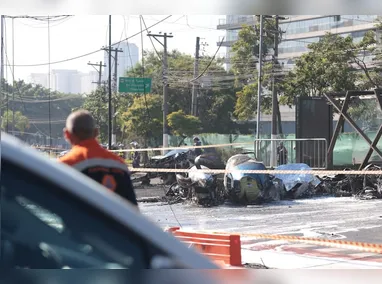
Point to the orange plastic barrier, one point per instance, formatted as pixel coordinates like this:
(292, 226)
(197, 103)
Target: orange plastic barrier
(219, 247)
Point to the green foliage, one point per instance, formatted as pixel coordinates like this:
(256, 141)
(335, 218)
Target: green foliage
(97, 104)
(33, 102)
(323, 69)
(182, 124)
(336, 64)
(21, 122)
(144, 118)
(215, 104)
(245, 59)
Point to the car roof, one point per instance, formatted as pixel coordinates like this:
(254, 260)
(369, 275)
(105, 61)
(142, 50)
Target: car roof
(93, 193)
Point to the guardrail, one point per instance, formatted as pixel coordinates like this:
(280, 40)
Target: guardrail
(310, 151)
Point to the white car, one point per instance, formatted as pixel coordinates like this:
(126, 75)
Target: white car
(53, 216)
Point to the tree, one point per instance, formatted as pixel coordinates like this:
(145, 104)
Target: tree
(217, 95)
(324, 68)
(33, 102)
(97, 104)
(21, 122)
(183, 125)
(143, 120)
(245, 59)
(335, 64)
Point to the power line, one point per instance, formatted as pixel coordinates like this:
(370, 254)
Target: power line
(212, 59)
(93, 52)
(152, 43)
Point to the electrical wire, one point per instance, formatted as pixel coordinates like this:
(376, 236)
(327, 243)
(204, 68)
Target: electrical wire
(151, 40)
(19, 93)
(92, 52)
(209, 64)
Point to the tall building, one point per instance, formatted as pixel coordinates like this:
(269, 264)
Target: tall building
(66, 81)
(127, 59)
(232, 24)
(88, 82)
(300, 31)
(39, 79)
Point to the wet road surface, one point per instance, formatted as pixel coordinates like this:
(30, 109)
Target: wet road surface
(335, 218)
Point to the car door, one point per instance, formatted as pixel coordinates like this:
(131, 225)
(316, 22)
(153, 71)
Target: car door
(43, 226)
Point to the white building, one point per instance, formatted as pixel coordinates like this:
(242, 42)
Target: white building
(39, 79)
(127, 59)
(66, 81)
(88, 82)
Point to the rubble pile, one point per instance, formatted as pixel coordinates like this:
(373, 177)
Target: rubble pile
(360, 186)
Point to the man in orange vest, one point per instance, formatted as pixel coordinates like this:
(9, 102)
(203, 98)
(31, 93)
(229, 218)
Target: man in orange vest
(90, 158)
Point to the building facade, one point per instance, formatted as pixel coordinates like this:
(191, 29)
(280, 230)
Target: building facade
(299, 31)
(232, 25)
(39, 79)
(66, 81)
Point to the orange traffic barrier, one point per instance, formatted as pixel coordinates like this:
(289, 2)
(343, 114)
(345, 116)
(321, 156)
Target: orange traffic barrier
(368, 247)
(219, 247)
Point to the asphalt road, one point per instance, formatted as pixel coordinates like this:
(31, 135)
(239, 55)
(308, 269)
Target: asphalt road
(335, 218)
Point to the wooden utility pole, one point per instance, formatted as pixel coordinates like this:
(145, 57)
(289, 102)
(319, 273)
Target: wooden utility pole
(194, 105)
(109, 89)
(165, 84)
(114, 86)
(99, 65)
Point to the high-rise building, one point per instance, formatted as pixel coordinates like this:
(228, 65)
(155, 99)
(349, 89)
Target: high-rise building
(66, 81)
(232, 24)
(300, 31)
(88, 82)
(127, 59)
(39, 79)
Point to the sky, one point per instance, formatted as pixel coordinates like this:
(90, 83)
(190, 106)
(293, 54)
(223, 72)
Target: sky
(80, 35)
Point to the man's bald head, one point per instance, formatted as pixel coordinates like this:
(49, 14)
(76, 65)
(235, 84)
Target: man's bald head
(81, 124)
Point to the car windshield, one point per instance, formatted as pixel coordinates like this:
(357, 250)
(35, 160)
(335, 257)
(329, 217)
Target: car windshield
(173, 152)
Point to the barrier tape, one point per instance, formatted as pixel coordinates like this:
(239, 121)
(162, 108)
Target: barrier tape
(165, 149)
(184, 147)
(370, 247)
(272, 172)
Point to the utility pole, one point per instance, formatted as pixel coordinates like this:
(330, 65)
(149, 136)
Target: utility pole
(165, 84)
(114, 87)
(259, 88)
(110, 110)
(194, 105)
(99, 65)
(274, 93)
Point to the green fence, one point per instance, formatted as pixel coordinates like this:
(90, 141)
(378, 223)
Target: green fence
(350, 147)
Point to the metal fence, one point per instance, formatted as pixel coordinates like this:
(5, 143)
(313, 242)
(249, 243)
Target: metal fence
(310, 151)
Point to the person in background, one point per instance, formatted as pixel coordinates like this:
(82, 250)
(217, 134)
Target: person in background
(197, 142)
(136, 155)
(90, 158)
(282, 154)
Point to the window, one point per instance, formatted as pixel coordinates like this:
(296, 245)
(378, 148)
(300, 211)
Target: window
(45, 227)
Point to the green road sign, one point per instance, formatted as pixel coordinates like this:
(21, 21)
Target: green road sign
(134, 85)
